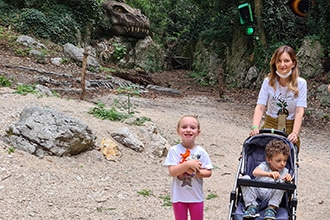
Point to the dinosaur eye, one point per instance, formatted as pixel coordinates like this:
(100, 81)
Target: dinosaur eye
(118, 9)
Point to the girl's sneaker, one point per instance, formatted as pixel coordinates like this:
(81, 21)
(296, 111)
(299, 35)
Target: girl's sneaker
(251, 212)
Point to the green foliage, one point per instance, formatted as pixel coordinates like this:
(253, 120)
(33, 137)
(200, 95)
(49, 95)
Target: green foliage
(166, 200)
(5, 82)
(211, 196)
(281, 25)
(33, 22)
(119, 51)
(129, 92)
(126, 105)
(107, 114)
(317, 22)
(141, 120)
(25, 89)
(102, 209)
(11, 150)
(61, 21)
(145, 193)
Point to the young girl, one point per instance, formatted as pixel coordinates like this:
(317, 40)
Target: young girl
(188, 164)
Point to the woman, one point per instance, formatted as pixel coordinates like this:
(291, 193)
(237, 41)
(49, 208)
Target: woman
(283, 95)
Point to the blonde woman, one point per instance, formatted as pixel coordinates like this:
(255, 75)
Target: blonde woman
(283, 96)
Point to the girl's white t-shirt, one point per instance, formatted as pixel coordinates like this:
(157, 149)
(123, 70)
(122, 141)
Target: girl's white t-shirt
(189, 189)
(275, 100)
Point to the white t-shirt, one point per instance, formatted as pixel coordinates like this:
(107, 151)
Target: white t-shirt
(189, 189)
(282, 96)
(265, 167)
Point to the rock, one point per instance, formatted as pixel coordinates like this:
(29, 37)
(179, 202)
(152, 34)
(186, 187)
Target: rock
(29, 42)
(127, 138)
(78, 53)
(44, 131)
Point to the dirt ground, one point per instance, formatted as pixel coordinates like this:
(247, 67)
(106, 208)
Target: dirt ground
(87, 186)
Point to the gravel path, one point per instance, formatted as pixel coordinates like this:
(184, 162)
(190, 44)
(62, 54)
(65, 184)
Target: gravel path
(87, 186)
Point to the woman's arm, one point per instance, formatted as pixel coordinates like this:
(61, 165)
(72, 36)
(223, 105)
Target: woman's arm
(258, 112)
(299, 114)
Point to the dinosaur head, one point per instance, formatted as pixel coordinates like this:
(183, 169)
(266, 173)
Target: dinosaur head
(126, 21)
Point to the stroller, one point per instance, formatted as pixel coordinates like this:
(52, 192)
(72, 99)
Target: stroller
(252, 155)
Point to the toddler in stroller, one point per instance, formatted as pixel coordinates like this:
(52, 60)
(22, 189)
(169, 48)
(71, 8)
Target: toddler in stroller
(265, 184)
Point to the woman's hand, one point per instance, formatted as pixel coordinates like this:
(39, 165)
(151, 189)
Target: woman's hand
(254, 130)
(293, 137)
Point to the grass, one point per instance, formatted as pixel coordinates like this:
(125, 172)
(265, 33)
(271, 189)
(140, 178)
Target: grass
(145, 193)
(211, 196)
(107, 114)
(166, 200)
(5, 82)
(25, 89)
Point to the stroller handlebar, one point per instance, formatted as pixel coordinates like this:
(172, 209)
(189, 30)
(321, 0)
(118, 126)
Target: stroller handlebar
(273, 131)
(274, 185)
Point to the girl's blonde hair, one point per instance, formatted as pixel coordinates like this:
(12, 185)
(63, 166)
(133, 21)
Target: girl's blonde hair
(293, 84)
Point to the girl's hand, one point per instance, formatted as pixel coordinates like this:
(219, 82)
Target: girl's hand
(194, 165)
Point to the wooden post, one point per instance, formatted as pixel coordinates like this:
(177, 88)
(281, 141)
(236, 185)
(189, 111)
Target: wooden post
(221, 83)
(83, 74)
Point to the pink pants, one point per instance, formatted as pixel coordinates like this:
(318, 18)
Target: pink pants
(195, 210)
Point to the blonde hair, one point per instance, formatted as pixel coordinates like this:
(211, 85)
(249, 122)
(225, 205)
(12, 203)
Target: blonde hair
(189, 116)
(293, 84)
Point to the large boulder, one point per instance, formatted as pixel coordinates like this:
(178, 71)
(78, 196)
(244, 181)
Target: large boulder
(310, 59)
(44, 131)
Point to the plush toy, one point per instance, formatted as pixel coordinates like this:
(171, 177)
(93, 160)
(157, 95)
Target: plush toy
(185, 156)
(186, 178)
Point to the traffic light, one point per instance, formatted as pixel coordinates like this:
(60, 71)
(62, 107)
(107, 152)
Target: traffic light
(250, 30)
(245, 13)
(246, 18)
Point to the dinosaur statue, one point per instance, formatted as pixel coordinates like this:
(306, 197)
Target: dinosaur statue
(125, 20)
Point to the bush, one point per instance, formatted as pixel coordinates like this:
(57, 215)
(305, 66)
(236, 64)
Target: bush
(33, 22)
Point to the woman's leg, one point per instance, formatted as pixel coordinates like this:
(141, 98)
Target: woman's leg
(180, 210)
(196, 210)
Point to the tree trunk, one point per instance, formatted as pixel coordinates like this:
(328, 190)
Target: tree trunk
(257, 10)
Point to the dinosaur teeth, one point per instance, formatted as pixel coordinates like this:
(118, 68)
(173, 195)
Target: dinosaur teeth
(135, 29)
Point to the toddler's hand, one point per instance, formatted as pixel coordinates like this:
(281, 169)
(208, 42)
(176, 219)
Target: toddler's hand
(275, 175)
(287, 178)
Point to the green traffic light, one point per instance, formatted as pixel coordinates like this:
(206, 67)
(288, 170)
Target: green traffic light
(249, 30)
